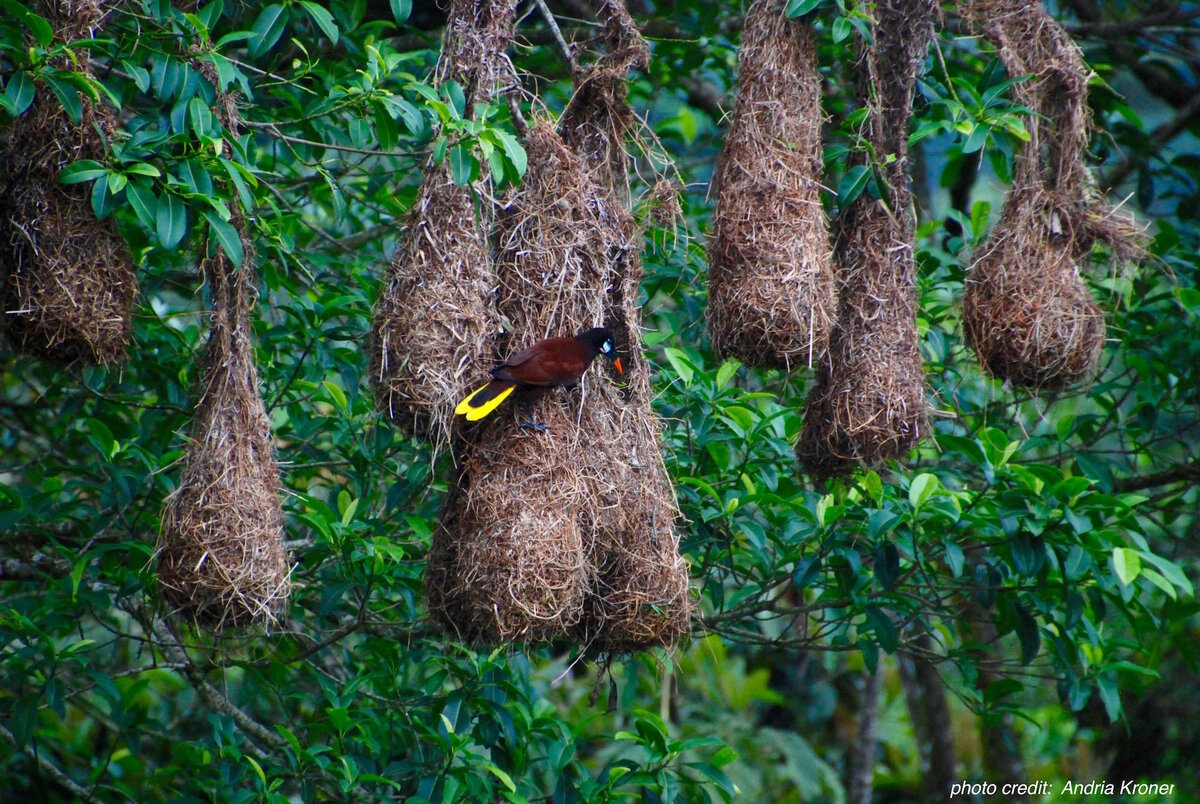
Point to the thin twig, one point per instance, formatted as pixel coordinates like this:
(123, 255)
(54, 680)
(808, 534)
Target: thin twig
(568, 52)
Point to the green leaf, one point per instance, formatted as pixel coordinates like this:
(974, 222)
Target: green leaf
(1172, 572)
(267, 29)
(257, 769)
(976, 139)
(1027, 560)
(401, 9)
(143, 169)
(513, 150)
(81, 171)
(887, 565)
(1110, 695)
(504, 778)
(464, 167)
(842, 29)
(386, 130)
(798, 8)
(1127, 564)
(38, 26)
(1028, 633)
(726, 371)
(922, 488)
(337, 395)
(226, 235)
(1078, 562)
(144, 203)
(68, 96)
(679, 361)
(1159, 581)
(238, 178)
(102, 200)
(22, 719)
(101, 437)
(323, 19)
(884, 628)
(19, 91)
(852, 184)
(140, 75)
(171, 220)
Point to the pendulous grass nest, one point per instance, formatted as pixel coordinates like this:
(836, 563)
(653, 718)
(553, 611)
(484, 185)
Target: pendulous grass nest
(1027, 312)
(868, 404)
(508, 562)
(771, 296)
(640, 596)
(67, 283)
(433, 327)
(221, 559)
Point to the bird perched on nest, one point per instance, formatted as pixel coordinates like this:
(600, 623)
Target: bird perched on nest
(547, 364)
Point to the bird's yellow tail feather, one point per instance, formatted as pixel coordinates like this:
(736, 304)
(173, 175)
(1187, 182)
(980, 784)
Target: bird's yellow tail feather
(475, 410)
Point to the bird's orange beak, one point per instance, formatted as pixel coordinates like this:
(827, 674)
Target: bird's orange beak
(617, 365)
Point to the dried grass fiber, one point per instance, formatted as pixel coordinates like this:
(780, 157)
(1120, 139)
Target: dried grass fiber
(770, 283)
(221, 559)
(433, 325)
(868, 404)
(68, 281)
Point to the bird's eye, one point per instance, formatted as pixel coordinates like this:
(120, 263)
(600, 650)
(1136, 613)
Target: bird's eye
(606, 347)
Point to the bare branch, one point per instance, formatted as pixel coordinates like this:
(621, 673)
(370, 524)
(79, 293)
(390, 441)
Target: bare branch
(50, 769)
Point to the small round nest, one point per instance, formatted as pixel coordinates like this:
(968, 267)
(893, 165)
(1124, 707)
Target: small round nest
(771, 296)
(221, 559)
(68, 282)
(433, 325)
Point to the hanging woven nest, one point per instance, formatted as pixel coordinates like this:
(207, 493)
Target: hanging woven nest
(770, 282)
(640, 597)
(221, 559)
(508, 562)
(68, 284)
(1026, 309)
(433, 327)
(868, 404)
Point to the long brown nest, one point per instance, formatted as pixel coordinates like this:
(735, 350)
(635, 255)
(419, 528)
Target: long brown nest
(868, 404)
(1026, 309)
(221, 559)
(640, 596)
(433, 326)
(434, 323)
(68, 281)
(508, 562)
(770, 283)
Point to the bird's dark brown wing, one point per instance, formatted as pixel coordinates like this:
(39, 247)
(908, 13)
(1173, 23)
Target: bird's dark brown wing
(554, 361)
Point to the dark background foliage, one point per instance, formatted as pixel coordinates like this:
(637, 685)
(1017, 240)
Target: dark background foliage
(1019, 589)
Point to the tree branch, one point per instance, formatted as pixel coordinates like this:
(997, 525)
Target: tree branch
(211, 695)
(50, 769)
(1178, 474)
(1187, 114)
